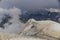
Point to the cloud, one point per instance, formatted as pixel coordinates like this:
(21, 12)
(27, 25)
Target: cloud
(13, 25)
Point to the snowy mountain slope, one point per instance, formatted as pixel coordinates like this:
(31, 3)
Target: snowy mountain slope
(8, 36)
(44, 29)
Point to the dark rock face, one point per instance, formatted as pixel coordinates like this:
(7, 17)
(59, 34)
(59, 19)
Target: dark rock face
(40, 15)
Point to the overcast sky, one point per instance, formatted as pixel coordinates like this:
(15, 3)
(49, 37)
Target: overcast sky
(22, 4)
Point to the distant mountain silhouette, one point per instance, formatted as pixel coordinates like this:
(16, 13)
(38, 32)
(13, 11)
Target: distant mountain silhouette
(40, 14)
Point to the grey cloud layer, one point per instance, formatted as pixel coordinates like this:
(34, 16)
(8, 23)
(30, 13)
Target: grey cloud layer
(16, 25)
(28, 3)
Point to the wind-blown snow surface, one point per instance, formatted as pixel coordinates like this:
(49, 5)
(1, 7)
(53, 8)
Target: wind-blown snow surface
(8, 36)
(9, 18)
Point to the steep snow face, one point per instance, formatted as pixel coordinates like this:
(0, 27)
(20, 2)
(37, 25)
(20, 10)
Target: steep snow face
(10, 20)
(47, 28)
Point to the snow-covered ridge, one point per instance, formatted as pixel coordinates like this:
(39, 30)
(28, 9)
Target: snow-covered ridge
(47, 28)
(36, 30)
